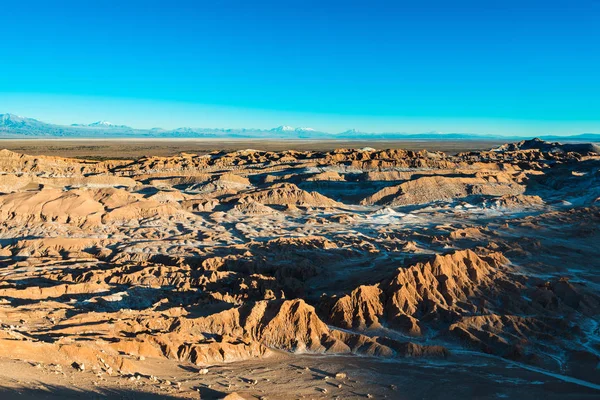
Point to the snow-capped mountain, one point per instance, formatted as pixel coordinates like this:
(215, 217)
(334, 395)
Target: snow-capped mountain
(102, 124)
(287, 128)
(16, 120)
(283, 128)
(106, 124)
(14, 126)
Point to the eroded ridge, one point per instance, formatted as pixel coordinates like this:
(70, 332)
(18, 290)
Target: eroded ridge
(235, 257)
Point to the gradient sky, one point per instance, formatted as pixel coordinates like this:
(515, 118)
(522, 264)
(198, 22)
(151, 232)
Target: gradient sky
(495, 67)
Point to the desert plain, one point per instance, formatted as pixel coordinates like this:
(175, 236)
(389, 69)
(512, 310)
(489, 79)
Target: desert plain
(315, 273)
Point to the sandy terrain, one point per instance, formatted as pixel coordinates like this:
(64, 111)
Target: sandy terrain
(135, 148)
(309, 273)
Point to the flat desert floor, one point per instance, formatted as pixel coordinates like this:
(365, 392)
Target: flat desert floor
(134, 148)
(299, 270)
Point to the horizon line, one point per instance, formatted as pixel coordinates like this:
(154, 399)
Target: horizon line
(284, 128)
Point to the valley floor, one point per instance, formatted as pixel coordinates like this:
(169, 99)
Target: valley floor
(134, 148)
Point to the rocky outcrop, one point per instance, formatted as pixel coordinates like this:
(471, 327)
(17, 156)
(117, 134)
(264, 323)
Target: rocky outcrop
(440, 188)
(289, 194)
(442, 288)
(232, 256)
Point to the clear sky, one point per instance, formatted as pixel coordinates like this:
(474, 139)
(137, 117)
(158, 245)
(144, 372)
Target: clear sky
(409, 66)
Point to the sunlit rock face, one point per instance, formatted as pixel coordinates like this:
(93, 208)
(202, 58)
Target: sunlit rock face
(234, 257)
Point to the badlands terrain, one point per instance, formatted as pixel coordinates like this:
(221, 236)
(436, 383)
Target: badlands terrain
(302, 274)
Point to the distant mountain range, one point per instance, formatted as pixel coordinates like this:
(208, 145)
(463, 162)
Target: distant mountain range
(102, 124)
(16, 127)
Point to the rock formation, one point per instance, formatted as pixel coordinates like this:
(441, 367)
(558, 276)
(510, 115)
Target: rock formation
(233, 256)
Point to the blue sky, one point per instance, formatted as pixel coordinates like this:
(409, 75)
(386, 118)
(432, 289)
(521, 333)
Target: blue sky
(462, 66)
